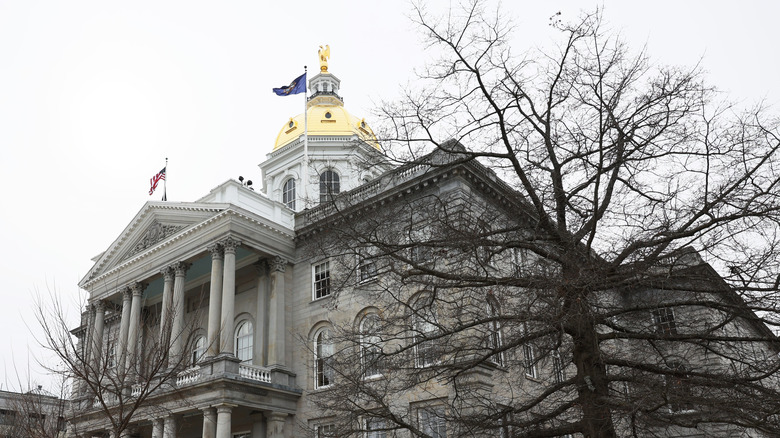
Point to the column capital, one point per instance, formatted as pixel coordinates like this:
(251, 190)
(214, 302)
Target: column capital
(278, 264)
(276, 416)
(230, 244)
(225, 408)
(167, 273)
(180, 268)
(98, 306)
(127, 294)
(217, 251)
(138, 288)
(262, 267)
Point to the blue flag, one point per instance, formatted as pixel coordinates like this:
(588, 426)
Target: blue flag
(298, 85)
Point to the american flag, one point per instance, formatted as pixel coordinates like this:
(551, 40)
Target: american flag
(156, 179)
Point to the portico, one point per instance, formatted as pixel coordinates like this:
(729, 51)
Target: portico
(179, 283)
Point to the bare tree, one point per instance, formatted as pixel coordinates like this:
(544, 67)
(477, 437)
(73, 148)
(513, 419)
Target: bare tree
(596, 253)
(114, 384)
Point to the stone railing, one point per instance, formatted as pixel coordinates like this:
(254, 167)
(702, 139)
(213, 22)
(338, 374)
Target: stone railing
(188, 376)
(253, 372)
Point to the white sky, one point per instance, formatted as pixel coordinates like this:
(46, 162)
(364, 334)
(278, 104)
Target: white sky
(94, 95)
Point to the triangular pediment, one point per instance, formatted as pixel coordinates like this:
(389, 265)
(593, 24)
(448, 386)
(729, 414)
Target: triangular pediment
(156, 223)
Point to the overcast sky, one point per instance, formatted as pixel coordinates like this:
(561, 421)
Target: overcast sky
(94, 95)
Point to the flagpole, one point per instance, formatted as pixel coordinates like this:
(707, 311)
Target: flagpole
(305, 167)
(165, 181)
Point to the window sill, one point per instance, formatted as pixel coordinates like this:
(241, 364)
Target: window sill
(368, 280)
(314, 300)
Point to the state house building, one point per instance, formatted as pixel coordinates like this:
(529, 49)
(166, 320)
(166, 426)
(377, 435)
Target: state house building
(224, 298)
(220, 279)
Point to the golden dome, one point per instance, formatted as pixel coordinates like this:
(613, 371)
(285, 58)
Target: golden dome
(326, 118)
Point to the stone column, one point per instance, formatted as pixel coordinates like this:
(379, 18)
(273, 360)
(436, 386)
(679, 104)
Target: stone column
(166, 310)
(89, 335)
(228, 294)
(169, 427)
(158, 426)
(224, 421)
(124, 326)
(98, 327)
(178, 338)
(133, 330)
(215, 300)
(261, 328)
(275, 425)
(276, 323)
(209, 423)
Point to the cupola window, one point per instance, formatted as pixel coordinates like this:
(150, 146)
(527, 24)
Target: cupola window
(329, 185)
(288, 193)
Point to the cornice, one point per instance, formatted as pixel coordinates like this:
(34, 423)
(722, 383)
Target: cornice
(404, 182)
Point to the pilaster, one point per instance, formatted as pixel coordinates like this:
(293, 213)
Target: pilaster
(276, 314)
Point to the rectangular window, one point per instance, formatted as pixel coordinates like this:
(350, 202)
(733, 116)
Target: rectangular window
(325, 431)
(425, 329)
(663, 318)
(376, 428)
(321, 280)
(366, 269)
(432, 422)
(529, 357)
(505, 422)
(559, 373)
(7, 416)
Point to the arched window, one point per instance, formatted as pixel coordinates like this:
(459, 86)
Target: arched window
(424, 327)
(494, 340)
(198, 349)
(329, 185)
(244, 341)
(370, 345)
(288, 193)
(323, 350)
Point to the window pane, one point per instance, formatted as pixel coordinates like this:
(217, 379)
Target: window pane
(323, 351)
(329, 185)
(426, 350)
(664, 321)
(432, 422)
(244, 341)
(288, 193)
(321, 280)
(198, 349)
(375, 428)
(370, 346)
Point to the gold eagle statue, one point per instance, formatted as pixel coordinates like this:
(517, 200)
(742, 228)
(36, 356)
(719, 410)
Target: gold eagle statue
(324, 56)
